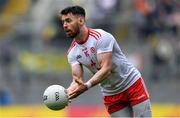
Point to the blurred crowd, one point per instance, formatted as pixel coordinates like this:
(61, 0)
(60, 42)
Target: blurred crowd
(147, 30)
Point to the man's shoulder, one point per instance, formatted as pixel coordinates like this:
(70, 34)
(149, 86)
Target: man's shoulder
(100, 32)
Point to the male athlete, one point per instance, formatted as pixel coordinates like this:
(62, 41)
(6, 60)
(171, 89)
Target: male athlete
(122, 86)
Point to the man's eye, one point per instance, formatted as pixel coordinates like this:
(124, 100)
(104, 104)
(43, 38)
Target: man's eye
(67, 21)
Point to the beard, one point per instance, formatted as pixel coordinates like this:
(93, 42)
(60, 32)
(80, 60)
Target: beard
(73, 34)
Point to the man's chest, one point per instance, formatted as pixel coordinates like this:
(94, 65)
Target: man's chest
(87, 55)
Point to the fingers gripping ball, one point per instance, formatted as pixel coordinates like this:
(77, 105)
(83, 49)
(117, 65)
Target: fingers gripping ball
(55, 97)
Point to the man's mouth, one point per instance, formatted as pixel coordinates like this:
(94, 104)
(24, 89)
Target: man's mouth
(67, 31)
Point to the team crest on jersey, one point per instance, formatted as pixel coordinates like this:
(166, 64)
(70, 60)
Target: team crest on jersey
(93, 50)
(78, 56)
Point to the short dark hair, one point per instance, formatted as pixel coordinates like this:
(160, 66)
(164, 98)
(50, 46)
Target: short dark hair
(75, 10)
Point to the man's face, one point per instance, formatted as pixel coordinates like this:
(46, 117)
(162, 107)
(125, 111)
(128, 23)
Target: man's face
(71, 25)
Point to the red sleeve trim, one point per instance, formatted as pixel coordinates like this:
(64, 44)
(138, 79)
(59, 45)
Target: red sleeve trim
(95, 34)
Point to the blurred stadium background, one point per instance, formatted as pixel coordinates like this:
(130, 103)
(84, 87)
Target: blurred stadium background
(33, 53)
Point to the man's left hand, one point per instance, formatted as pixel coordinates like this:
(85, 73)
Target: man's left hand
(79, 90)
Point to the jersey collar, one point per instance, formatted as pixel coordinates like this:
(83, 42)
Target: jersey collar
(85, 40)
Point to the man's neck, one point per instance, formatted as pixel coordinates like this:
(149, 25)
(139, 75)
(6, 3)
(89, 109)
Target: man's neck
(82, 35)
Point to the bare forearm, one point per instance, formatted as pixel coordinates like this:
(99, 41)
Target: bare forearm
(73, 83)
(105, 61)
(72, 86)
(99, 76)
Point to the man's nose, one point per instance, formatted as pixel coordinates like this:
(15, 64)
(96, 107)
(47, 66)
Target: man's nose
(65, 25)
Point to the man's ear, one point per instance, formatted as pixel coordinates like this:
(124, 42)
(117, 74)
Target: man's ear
(81, 20)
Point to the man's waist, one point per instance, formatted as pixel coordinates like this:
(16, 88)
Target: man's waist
(112, 89)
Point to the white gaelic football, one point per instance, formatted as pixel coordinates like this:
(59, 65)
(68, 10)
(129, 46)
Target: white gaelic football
(55, 97)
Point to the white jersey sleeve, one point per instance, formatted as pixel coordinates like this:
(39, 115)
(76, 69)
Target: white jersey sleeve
(72, 60)
(105, 43)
